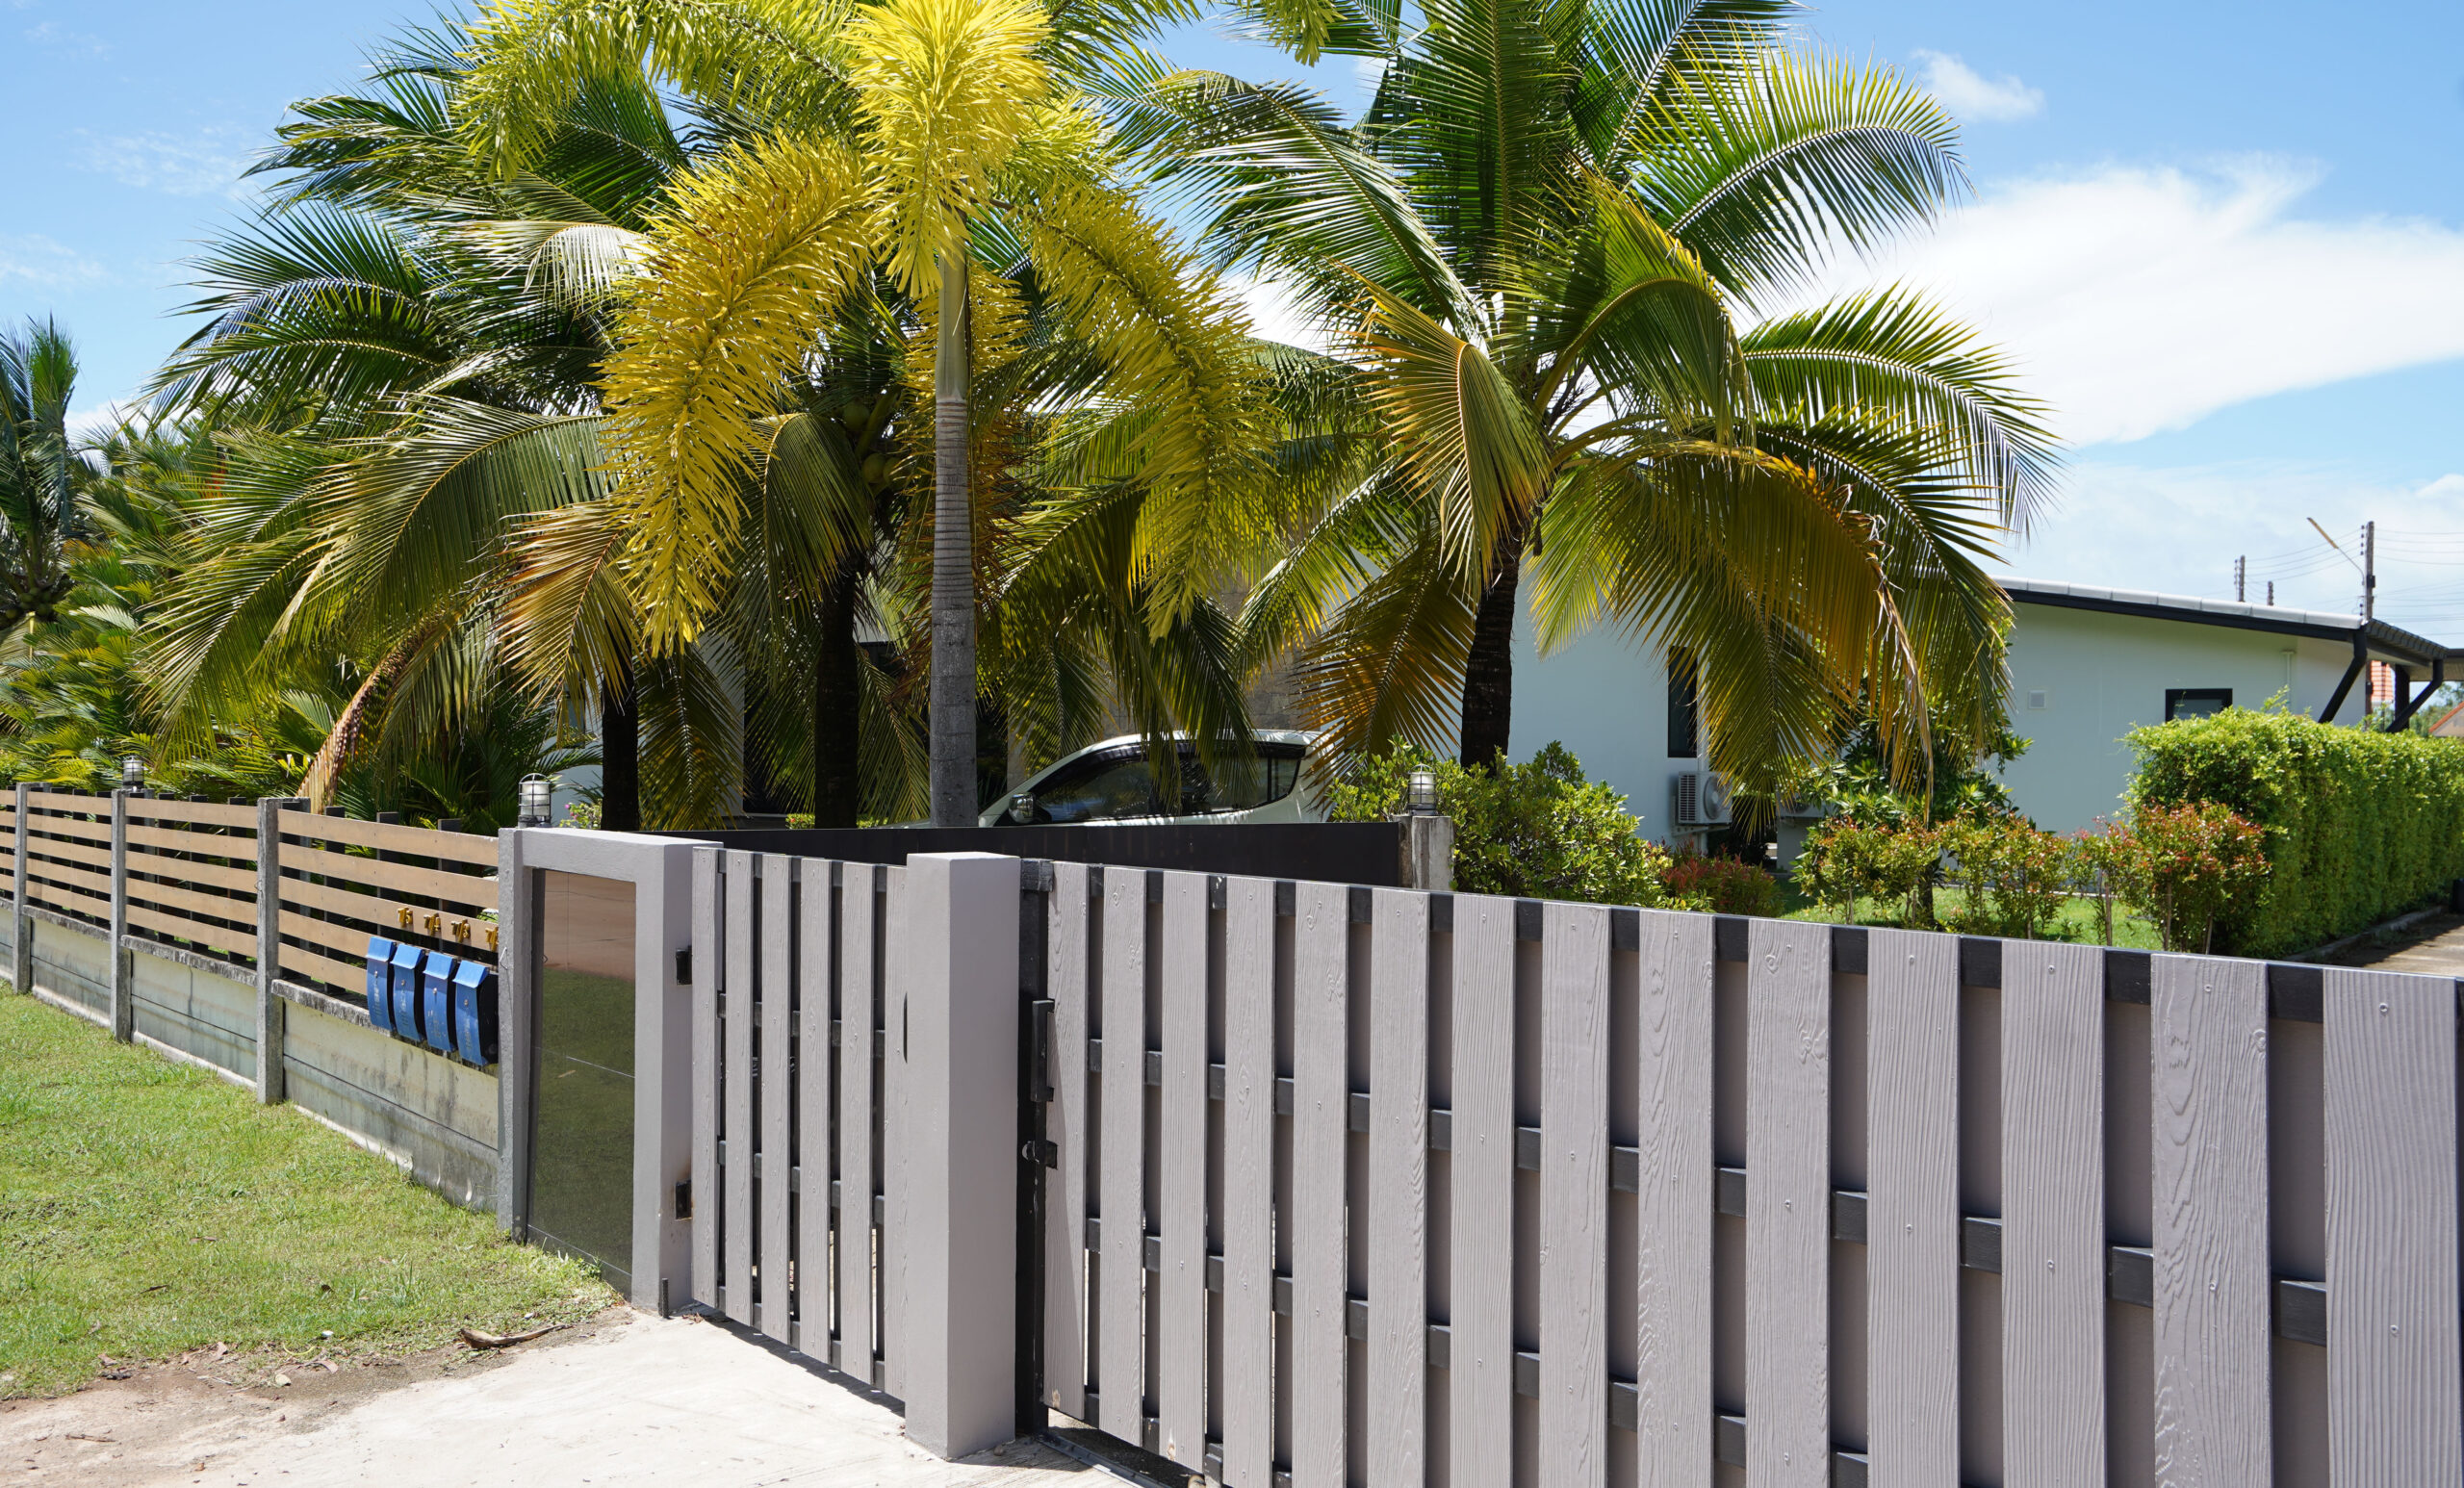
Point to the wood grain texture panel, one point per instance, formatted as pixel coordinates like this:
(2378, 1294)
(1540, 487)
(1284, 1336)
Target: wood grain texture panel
(1480, 1373)
(775, 1092)
(200, 844)
(859, 1015)
(1066, 1126)
(1247, 1386)
(1180, 1357)
(63, 850)
(741, 987)
(1913, 1208)
(895, 964)
(56, 827)
(453, 888)
(1672, 1202)
(1398, 1353)
(2395, 1398)
(349, 941)
(170, 899)
(206, 813)
(2209, 1171)
(1119, 1364)
(709, 915)
(1322, 928)
(321, 969)
(188, 870)
(816, 961)
(1787, 1233)
(462, 847)
(234, 942)
(2053, 1213)
(1573, 1195)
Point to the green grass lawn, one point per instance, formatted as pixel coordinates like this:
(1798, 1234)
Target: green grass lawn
(148, 1209)
(2078, 920)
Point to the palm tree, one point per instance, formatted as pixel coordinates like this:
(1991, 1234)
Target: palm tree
(40, 472)
(934, 153)
(1540, 257)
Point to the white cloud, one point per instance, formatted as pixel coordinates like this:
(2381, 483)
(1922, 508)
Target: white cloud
(53, 35)
(205, 164)
(1972, 97)
(2178, 530)
(31, 258)
(1273, 314)
(2137, 299)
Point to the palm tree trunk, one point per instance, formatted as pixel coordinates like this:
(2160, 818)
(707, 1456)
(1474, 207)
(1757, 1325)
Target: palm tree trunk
(1488, 672)
(953, 688)
(619, 755)
(835, 699)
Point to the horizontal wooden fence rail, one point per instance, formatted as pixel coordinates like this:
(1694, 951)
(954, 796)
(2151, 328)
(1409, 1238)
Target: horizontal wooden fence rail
(345, 881)
(1448, 1188)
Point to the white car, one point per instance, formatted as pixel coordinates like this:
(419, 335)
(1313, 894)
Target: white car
(1110, 783)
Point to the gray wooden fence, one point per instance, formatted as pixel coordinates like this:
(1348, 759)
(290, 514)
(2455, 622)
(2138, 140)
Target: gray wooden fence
(1378, 1187)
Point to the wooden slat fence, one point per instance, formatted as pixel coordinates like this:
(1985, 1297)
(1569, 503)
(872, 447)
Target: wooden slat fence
(794, 1103)
(191, 872)
(1487, 1191)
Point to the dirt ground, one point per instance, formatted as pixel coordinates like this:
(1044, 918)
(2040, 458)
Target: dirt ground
(626, 1398)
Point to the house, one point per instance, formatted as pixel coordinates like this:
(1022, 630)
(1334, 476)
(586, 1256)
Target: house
(2088, 665)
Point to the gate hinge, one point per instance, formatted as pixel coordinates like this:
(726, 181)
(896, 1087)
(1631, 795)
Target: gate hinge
(685, 1199)
(1043, 1153)
(684, 966)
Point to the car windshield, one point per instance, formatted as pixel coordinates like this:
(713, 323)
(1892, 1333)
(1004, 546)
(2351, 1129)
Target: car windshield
(1115, 785)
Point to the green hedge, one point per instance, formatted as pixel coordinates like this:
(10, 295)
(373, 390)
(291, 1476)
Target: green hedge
(2360, 826)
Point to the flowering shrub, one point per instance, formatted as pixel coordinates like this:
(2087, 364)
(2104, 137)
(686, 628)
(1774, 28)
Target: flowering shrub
(1722, 885)
(2187, 868)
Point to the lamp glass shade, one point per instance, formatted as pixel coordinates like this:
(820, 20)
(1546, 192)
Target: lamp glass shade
(1421, 799)
(536, 792)
(132, 772)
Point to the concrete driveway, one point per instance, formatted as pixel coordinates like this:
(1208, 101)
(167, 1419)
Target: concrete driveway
(634, 1400)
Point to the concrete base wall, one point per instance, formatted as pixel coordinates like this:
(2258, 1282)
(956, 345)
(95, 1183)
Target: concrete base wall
(434, 1117)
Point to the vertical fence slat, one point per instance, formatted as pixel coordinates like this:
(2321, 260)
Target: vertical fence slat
(816, 957)
(1673, 1203)
(1573, 1196)
(1913, 1208)
(1180, 1372)
(1247, 1385)
(738, 992)
(1398, 1353)
(2053, 1213)
(894, 964)
(709, 907)
(858, 936)
(1787, 1232)
(777, 993)
(1321, 1120)
(1120, 1367)
(1065, 1296)
(2210, 1213)
(2395, 1398)
(1480, 1367)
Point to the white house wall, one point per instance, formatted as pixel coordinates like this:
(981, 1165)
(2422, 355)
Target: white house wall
(2103, 674)
(1605, 698)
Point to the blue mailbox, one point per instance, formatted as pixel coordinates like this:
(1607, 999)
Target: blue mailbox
(475, 1012)
(436, 1013)
(380, 983)
(406, 992)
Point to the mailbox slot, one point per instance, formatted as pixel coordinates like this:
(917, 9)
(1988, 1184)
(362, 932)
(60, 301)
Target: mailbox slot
(406, 992)
(436, 1014)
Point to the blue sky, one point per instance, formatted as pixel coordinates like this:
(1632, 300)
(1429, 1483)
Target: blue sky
(2226, 241)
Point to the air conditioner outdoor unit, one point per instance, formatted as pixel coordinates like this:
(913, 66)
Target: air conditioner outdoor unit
(1702, 799)
(1803, 807)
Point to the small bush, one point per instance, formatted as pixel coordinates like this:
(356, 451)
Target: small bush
(2358, 826)
(2190, 870)
(2013, 876)
(1722, 885)
(1537, 830)
(1859, 856)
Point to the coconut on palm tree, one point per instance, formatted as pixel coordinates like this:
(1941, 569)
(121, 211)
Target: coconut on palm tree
(1556, 265)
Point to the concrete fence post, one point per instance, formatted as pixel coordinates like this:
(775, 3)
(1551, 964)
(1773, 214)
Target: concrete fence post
(123, 1007)
(960, 1152)
(269, 1005)
(1428, 853)
(21, 944)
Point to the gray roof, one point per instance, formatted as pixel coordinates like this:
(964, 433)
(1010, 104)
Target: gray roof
(2385, 642)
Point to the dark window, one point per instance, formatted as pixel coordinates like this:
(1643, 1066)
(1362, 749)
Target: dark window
(1684, 709)
(1107, 786)
(2195, 702)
